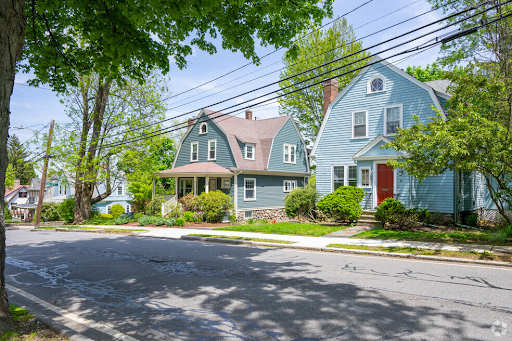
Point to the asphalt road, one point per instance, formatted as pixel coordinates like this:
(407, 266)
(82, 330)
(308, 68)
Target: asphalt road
(154, 289)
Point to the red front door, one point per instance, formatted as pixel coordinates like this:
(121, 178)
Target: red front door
(384, 182)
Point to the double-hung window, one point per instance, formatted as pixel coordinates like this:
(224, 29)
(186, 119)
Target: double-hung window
(364, 177)
(109, 209)
(289, 185)
(212, 149)
(249, 152)
(194, 151)
(249, 189)
(289, 153)
(360, 124)
(120, 190)
(344, 176)
(392, 119)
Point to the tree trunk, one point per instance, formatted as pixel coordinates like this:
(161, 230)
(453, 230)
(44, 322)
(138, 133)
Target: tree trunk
(12, 36)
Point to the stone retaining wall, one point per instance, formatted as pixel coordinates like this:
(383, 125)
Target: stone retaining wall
(277, 214)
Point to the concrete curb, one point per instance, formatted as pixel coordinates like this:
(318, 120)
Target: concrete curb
(57, 327)
(353, 251)
(61, 229)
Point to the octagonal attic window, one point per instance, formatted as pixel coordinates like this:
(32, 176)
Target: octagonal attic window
(376, 85)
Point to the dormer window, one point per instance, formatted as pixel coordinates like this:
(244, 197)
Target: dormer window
(203, 129)
(289, 153)
(376, 84)
(249, 152)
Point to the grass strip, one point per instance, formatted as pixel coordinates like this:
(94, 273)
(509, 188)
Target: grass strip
(66, 227)
(244, 238)
(293, 229)
(124, 230)
(486, 255)
(443, 237)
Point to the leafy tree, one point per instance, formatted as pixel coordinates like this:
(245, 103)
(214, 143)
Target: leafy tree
(9, 176)
(50, 211)
(63, 41)
(320, 47)
(431, 72)
(17, 154)
(67, 209)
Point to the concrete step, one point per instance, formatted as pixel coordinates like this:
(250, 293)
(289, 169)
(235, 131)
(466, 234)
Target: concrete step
(367, 217)
(369, 223)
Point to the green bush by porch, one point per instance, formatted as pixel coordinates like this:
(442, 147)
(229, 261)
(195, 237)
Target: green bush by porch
(294, 229)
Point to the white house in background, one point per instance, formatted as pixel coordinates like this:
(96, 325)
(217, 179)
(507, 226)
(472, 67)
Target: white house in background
(120, 195)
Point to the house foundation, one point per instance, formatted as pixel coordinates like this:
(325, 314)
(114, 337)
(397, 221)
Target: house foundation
(271, 214)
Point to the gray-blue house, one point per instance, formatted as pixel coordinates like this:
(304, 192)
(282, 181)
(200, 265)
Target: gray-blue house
(257, 161)
(363, 117)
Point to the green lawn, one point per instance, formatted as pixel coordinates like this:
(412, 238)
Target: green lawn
(294, 229)
(444, 237)
(429, 252)
(263, 240)
(99, 221)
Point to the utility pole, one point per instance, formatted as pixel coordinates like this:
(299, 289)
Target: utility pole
(43, 176)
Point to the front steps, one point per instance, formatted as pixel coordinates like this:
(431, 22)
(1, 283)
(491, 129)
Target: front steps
(368, 219)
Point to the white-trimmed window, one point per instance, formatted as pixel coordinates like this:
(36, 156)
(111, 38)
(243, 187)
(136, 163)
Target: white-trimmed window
(376, 84)
(360, 124)
(344, 175)
(65, 190)
(393, 117)
(364, 177)
(194, 151)
(225, 183)
(109, 209)
(203, 129)
(289, 185)
(250, 151)
(249, 189)
(128, 208)
(120, 190)
(289, 153)
(212, 150)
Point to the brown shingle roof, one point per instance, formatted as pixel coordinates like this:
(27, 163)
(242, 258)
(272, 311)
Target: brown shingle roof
(259, 132)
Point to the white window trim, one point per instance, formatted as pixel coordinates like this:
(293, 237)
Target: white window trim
(345, 173)
(245, 215)
(201, 129)
(386, 117)
(369, 85)
(122, 190)
(289, 149)
(250, 199)
(222, 183)
(210, 159)
(253, 151)
(192, 149)
(360, 179)
(128, 208)
(106, 209)
(294, 182)
(353, 121)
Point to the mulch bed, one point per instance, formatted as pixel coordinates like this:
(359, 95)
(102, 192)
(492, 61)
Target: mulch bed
(43, 333)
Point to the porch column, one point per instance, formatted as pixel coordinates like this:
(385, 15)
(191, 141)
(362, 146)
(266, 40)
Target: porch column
(176, 187)
(207, 184)
(153, 191)
(195, 185)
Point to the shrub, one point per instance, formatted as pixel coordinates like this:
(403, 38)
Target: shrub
(180, 222)
(250, 221)
(170, 222)
(95, 211)
(388, 208)
(176, 211)
(106, 216)
(472, 220)
(502, 235)
(67, 210)
(190, 202)
(420, 214)
(155, 206)
(117, 210)
(160, 221)
(7, 213)
(343, 204)
(50, 211)
(145, 220)
(215, 205)
(121, 221)
(190, 216)
(300, 201)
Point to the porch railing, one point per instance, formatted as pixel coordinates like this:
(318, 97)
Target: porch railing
(169, 204)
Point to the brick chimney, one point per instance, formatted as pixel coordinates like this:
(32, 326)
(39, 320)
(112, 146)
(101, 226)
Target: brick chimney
(190, 122)
(248, 114)
(330, 92)
(17, 182)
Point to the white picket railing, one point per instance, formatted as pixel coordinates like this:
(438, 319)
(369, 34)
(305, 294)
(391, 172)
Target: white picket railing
(169, 204)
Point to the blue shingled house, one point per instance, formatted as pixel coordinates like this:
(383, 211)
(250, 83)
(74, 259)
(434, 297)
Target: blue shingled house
(363, 117)
(256, 161)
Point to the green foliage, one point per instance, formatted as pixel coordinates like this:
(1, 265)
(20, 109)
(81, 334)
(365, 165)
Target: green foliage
(146, 220)
(170, 222)
(155, 206)
(107, 216)
(502, 235)
(250, 221)
(160, 221)
(9, 176)
(121, 220)
(176, 211)
(343, 204)
(19, 314)
(190, 216)
(472, 220)
(300, 201)
(21, 168)
(179, 222)
(431, 72)
(190, 202)
(388, 209)
(215, 205)
(315, 49)
(294, 229)
(7, 213)
(117, 210)
(67, 209)
(50, 211)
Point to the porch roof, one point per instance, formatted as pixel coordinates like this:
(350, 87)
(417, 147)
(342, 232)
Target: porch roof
(195, 169)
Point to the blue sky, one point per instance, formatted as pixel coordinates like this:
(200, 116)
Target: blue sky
(35, 107)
